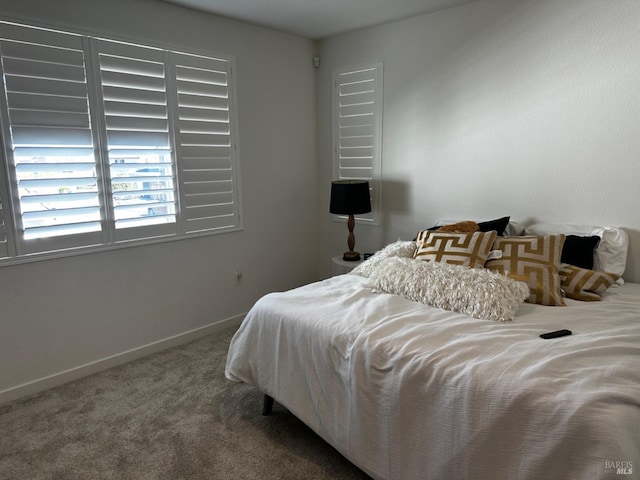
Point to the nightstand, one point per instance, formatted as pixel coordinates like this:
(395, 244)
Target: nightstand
(340, 266)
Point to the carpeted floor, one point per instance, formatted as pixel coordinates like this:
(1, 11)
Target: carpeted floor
(169, 416)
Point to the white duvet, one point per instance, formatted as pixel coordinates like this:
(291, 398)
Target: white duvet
(408, 391)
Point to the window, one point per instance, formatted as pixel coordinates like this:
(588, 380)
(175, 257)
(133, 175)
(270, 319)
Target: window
(357, 129)
(134, 102)
(107, 143)
(3, 236)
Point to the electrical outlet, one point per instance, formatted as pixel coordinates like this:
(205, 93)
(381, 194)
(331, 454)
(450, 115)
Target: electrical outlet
(238, 276)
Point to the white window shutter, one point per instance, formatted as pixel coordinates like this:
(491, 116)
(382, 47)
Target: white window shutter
(4, 250)
(357, 128)
(141, 161)
(107, 142)
(205, 144)
(48, 139)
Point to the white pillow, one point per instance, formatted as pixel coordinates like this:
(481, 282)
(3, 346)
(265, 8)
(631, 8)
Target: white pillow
(401, 249)
(514, 229)
(476, 292)
(611, 252)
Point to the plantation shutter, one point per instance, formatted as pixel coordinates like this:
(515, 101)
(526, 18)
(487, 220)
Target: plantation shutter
(48, 139)
(204, 143)
(4, 250)
(357, 111)
(141, 161)
(108, 142)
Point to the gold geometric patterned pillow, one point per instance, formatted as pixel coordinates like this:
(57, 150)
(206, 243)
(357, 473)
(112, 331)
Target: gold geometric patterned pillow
(586, 285)
(469, 249)
(534, 260)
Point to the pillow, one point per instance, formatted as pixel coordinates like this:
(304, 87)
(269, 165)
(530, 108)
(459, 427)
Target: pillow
(396, 249)
(579, 251)
(611, 252)
(586, 285)
(475, 292)
(468, 249)
(514, 229)
(465, 226)
(535, 258)
(498, 225)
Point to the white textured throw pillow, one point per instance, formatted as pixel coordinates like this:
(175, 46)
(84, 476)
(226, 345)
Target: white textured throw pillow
(475, 292)
(400, 249)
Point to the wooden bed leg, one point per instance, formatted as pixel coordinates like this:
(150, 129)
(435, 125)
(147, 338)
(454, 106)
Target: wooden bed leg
(267, 405)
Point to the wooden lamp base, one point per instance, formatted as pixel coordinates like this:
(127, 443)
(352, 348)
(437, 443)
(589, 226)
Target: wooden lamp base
(351, 256)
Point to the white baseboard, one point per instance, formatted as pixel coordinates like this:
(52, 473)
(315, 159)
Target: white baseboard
(41, 384)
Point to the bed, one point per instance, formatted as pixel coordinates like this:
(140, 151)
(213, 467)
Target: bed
(409, 390)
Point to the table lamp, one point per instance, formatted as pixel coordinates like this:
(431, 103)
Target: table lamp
(350, 197)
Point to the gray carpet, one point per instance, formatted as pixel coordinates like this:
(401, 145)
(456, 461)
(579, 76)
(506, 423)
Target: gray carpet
(169, 416)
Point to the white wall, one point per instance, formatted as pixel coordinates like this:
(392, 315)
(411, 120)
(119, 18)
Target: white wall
(525, 108)
(62, 314)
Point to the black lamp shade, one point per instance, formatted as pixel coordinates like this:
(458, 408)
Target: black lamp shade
(350, 197)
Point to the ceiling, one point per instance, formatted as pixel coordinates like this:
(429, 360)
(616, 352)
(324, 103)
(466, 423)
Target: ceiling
(318, 19)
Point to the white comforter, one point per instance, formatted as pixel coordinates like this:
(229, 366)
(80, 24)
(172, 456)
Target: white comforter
(408, 391)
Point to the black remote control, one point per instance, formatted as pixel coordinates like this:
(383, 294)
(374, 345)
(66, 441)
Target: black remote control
(557, 333)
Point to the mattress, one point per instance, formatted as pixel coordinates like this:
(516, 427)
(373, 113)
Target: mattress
(409, 391)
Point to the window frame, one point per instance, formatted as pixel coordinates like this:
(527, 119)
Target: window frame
(375, 180)
(11, 246)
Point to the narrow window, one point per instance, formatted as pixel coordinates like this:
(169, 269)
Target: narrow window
(49, 144)
(138, 148)
(206, 144)
(357, 128)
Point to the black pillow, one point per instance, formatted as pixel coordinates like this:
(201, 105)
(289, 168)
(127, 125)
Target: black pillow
(499, 225)
(578, 250)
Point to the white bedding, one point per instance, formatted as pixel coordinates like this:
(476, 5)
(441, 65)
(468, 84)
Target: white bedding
(408, 391)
